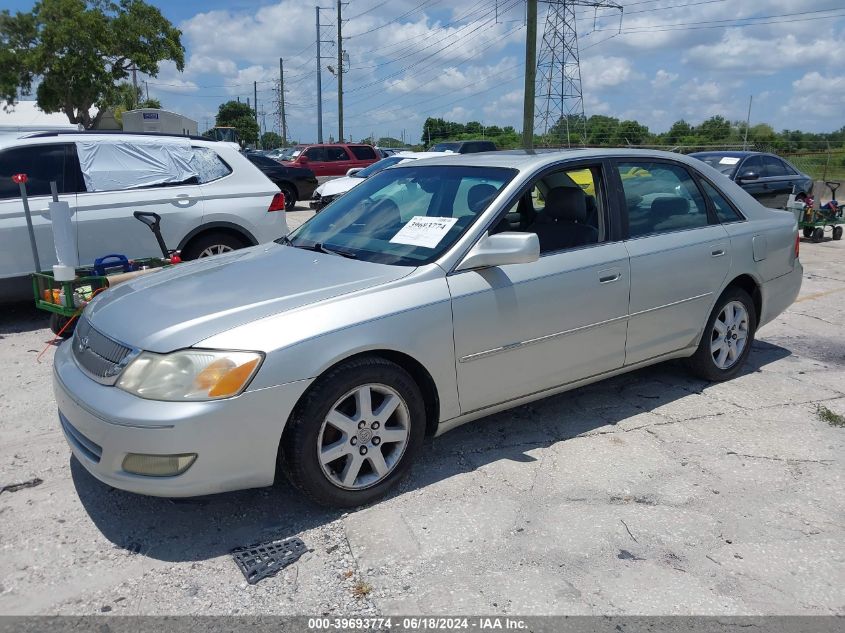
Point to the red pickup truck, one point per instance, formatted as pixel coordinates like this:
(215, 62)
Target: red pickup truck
(334, 159)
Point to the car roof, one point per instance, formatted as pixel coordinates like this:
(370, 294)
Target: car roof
(732, 153)
(529, 160)
(39, 138)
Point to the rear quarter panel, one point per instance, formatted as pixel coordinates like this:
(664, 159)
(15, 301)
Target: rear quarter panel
(242, 198)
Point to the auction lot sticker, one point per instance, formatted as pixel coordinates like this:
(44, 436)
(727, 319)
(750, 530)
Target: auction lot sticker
(423, 231)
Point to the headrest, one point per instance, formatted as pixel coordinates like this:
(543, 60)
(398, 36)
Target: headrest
(566, 203)
(479, 195)
(666, 207)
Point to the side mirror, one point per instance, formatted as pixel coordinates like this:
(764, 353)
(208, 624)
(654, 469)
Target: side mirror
(353, 171)
(749, 175)
(502, 249)
(303, 160)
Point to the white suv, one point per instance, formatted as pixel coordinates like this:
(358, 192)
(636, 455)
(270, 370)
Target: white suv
(210, 198)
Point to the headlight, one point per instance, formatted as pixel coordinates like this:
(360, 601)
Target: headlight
(191, 374)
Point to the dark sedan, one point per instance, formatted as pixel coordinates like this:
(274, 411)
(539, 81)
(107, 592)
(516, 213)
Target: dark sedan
(767, 177)
(297, 183)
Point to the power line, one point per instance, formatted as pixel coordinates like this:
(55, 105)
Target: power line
(431, 3)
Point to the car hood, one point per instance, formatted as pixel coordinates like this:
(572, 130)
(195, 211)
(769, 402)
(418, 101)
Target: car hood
(338, 186)
(178, 307)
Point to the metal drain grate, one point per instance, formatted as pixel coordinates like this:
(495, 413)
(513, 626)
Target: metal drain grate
(266, 559)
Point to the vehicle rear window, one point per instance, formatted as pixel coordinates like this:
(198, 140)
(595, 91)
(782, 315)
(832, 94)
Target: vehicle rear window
(720, 162)
(363, 152)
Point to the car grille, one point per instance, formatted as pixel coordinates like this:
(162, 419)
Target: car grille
(99, 356)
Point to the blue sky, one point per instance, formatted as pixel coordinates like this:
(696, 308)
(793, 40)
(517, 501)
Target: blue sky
(462, 60)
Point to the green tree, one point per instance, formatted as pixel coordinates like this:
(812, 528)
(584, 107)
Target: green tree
(241, 117)
(716, 128)
(76, 52)
(678, 131)
(271, 140)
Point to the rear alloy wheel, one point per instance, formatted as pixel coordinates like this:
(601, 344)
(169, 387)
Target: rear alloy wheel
(211, 244)
(290, 197)
(727, 337)
(818, 235)
(837, 233)
(354, 434)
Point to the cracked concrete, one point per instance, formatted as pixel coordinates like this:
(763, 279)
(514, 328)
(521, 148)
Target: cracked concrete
(651, 493)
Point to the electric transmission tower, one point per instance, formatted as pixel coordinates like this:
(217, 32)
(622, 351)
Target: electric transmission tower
(559, 101)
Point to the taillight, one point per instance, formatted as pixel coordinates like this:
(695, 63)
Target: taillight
(797, 244)
(278, 203)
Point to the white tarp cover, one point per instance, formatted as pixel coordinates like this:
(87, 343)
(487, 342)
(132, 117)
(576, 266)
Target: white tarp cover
(110, 165)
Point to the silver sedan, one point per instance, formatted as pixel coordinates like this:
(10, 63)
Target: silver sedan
(432, 294)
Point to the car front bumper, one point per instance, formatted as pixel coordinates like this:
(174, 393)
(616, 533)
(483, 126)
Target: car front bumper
(236, 440)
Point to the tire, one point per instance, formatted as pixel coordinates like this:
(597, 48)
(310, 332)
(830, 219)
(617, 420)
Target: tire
(808, 232)
(837, 233)
(818, 235)
(717, 365)
(351, 479)
(290, 196)
(206, 244)
(57, 322)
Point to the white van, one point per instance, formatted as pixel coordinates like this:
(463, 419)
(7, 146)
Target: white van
(210, 198)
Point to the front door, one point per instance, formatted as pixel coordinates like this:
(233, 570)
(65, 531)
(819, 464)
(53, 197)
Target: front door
(525, 328)
(680, 256)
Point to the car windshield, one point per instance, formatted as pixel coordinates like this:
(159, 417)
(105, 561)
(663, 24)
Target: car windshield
(446, 147)
(721, 162)
(375, 168)
(406, 216)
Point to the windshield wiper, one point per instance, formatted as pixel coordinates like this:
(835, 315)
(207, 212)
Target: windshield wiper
(317, 247)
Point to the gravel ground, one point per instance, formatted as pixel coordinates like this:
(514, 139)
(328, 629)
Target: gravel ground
(651, 493)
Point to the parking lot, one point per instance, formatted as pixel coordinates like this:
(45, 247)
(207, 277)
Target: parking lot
(651, 493)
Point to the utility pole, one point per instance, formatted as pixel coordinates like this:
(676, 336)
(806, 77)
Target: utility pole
(134, 86)
(339, 72)
(319, 83)
(147, 89)
(747, 123)
(283, 124)
(530, 76)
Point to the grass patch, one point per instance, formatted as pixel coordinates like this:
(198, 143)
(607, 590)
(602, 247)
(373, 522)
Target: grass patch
(831, 417)
(361, 589)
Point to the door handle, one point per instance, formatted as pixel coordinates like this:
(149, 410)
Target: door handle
(609, 279)
(718, 252)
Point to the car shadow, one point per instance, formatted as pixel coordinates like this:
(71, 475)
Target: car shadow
(22, 316)
(206, 527)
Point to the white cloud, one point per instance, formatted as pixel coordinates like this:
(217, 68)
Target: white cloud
(663, 78)
(606, 72)
(818, 96)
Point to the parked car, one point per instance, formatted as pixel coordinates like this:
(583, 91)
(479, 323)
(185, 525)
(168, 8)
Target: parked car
(331, 189)
(297, 183)
(464, 147)
(434, 293)
(767, 177)
(211, 198)
(334, 159)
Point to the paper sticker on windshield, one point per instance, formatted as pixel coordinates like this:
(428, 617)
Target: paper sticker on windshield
(424, 231)
(729, 160)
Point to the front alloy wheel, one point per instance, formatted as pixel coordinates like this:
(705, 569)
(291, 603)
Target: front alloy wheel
(364, 436)
(354, 433)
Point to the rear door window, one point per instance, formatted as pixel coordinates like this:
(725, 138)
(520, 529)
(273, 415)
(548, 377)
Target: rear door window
(724, 211)
(334, 154)
(41, 163)
(773, 167)
(661, 198)
(363, 152)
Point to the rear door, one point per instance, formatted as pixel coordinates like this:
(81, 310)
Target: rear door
(680, 256)
(753, 166)
(363, 155)
(106, 225)
(42, 163)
